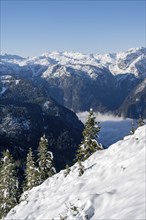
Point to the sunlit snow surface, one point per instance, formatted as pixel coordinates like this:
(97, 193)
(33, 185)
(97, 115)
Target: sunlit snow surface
(117, 63)
(112, 187)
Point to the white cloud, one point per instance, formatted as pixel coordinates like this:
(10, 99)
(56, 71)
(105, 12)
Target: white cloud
(113, 128)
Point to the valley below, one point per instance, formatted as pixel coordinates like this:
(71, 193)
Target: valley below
(42, 95)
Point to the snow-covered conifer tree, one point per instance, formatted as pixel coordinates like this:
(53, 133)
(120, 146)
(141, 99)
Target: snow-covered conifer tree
(140, 121)
(90, 134)
(45, 160)
(67, 170)
(8, 184)
(81, 168)
(31, 173)
(132, 131)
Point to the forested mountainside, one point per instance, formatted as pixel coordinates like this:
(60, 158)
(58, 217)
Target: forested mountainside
(27, 112)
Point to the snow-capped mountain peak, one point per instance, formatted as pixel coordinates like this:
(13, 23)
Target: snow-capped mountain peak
(117, 63)
(70, 75)
(10, 57)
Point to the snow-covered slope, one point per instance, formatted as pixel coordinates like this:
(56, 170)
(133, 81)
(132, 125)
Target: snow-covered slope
(112, 187)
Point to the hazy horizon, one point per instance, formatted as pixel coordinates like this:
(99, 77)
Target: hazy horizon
(5, 52)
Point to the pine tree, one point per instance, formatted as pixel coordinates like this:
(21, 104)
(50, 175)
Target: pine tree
(90, 134)
(132, 131)
(67, 170)
(8, 184)
(45, 160)
(81, 168)
(140, 121)
(31, 172)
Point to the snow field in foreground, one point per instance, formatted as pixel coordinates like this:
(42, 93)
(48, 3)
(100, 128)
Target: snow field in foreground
(112, 187)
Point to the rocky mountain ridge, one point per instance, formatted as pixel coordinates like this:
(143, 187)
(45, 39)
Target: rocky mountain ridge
(122, 61)
(80, 81)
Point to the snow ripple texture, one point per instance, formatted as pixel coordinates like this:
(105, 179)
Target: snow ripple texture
(112, 187)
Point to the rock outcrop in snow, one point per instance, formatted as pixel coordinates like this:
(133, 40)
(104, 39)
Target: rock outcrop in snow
(112, 187)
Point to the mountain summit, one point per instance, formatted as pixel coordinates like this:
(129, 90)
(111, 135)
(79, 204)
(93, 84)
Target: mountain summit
(117, 63)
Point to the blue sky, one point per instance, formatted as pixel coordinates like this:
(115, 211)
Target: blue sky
(30, 28)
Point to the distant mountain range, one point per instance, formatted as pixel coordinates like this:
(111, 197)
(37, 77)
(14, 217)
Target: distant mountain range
(107, 82)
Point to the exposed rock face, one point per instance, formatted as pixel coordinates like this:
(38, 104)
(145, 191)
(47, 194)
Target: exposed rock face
(135, 103)
(104, 93)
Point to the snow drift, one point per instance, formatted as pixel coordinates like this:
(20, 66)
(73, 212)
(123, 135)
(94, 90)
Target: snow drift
(112, 187)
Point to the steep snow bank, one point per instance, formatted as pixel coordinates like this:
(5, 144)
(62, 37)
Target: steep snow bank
(112, 187)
